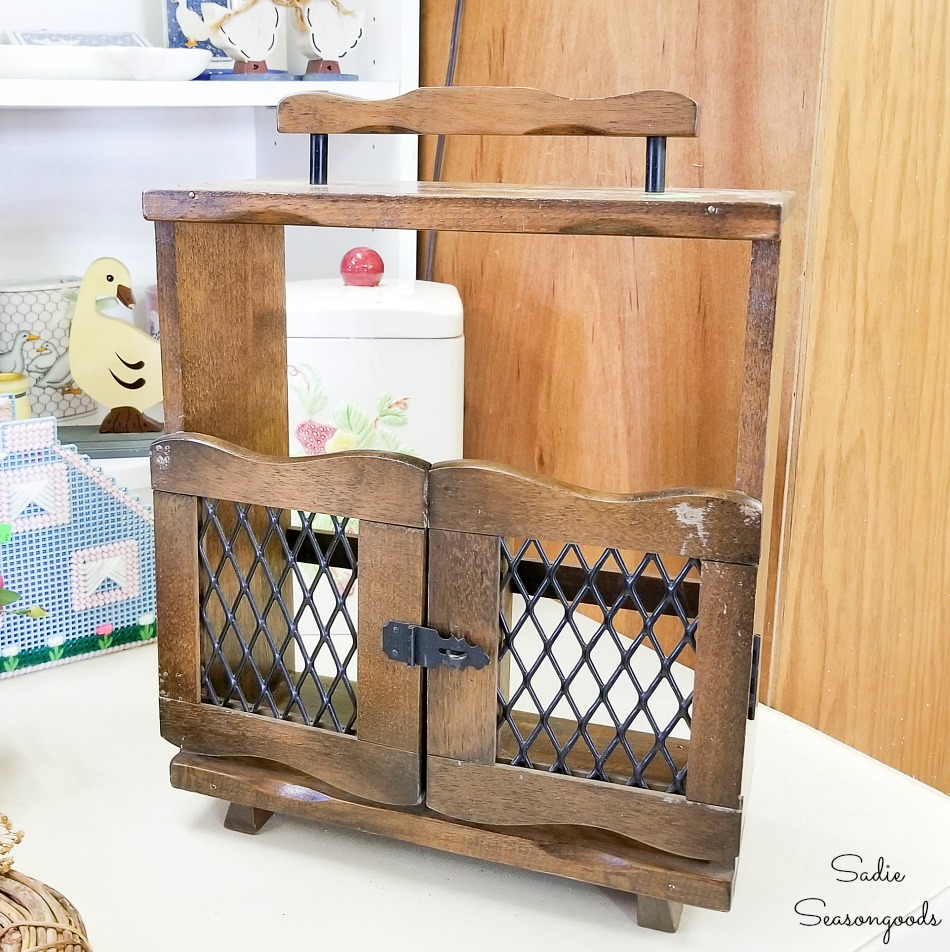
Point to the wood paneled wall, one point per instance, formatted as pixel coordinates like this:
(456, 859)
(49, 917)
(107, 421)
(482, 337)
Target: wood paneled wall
(865, 652)
(613, 362)
(607, 362)
(584, 369)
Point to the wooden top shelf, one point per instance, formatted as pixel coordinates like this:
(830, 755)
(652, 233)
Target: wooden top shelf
(686, 213)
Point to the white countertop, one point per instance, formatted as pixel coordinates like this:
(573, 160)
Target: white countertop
(84, 772)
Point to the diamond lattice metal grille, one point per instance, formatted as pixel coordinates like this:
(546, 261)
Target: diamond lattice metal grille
(278, 613)
(583, 698)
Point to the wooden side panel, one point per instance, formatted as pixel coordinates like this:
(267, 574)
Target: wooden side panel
(377, 486)
(502, 795)
(224, 338)
(864, 651)
(363, 770)
(485, 498)
(464, 601)
(484, 110)
(176, 574)
(721, 686)
(757, 372)
(392, 587)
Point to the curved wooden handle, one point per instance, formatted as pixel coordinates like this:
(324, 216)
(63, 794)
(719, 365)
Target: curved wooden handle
(492, 110)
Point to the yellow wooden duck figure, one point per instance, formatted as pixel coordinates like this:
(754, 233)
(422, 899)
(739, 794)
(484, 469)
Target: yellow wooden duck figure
(114, 362)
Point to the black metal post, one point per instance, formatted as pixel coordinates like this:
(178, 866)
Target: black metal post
(318, 158)
(656, 164)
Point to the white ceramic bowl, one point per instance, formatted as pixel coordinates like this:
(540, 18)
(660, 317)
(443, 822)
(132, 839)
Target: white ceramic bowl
(101, 62)
(158, 63)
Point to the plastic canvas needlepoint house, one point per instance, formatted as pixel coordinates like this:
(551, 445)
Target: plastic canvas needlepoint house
(77, 552)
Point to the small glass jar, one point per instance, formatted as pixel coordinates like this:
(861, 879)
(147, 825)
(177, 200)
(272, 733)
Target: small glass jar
(18, 386)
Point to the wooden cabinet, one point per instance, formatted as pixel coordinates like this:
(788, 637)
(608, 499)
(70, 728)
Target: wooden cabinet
(453, 671)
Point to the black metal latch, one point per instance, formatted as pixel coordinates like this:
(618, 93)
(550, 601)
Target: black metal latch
(426, 648)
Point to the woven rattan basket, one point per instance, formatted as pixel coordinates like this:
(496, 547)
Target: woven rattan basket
(33, 916)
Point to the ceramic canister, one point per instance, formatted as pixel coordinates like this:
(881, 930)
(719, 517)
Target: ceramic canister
(375, 368)
(34, 339)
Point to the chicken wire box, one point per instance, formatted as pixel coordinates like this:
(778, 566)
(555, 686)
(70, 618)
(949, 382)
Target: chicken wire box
(76, 553)
(34, 339)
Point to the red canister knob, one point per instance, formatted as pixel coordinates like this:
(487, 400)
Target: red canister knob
(361, 268)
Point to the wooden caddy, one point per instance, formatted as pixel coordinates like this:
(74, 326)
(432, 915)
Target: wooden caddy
(441, 757)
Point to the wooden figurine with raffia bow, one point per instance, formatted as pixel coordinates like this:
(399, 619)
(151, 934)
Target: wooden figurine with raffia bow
(326, 32)
(247, 34)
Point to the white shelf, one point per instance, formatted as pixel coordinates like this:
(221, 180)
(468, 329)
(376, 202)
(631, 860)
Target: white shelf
(76, 155)
(110, 94)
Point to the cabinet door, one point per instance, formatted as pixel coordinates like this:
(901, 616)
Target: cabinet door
(618, 632)
(276, 577)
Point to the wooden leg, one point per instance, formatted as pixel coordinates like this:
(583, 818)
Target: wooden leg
(659, 914)
(244, 819)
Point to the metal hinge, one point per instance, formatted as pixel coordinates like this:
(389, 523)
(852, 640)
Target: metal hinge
(426, 648)
(754, 681)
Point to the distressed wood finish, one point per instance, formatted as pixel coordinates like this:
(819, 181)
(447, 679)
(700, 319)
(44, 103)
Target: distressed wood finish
(496, 500)
(392, 587)
(363, 770)
(720, 692)
(695, 213)
(484, 110)
(176, 577)
(587, 855)
(375, 486)
(464, 601)
(502, 795)
(468, 498)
